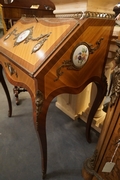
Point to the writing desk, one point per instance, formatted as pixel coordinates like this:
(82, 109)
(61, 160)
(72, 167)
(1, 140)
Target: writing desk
(50, 56)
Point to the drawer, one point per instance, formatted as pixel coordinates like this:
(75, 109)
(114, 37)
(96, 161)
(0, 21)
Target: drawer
(17, 76)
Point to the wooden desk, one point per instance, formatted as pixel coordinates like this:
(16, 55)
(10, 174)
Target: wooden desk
(53, 56)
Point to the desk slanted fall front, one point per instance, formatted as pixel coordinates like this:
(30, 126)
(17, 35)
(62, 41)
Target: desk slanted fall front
(50, 56)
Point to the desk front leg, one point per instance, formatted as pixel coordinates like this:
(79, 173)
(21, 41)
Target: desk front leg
(42, 135)
(41, 112)
(6, 91)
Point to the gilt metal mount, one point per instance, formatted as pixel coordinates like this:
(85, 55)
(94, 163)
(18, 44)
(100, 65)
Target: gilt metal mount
(115, 80)
(25, 36)
(11, 69)
(89, 166)
(79, 57)
(39, 102)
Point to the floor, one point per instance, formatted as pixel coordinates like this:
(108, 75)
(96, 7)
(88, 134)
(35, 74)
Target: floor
(20, 157)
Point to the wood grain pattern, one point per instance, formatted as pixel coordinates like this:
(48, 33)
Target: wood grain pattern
(23, 56)
(21, 76)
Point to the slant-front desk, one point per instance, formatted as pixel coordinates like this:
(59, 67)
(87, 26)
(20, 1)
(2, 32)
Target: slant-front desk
(50, 56)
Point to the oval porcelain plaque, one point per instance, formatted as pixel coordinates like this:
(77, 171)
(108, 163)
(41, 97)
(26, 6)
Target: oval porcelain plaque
(80, 55)
(22, 36)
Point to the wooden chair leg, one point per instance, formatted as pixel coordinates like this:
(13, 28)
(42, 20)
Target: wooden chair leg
(17, 90)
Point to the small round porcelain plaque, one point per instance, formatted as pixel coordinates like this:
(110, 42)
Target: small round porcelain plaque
(80, 55)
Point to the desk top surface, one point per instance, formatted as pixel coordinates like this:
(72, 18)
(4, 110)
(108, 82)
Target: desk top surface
(30, 42)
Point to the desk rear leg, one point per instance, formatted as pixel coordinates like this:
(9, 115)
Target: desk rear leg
(6, 92)
(101, 92)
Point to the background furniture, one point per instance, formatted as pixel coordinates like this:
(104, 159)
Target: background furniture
(14, 11)
(108, 147)
(3, 27)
